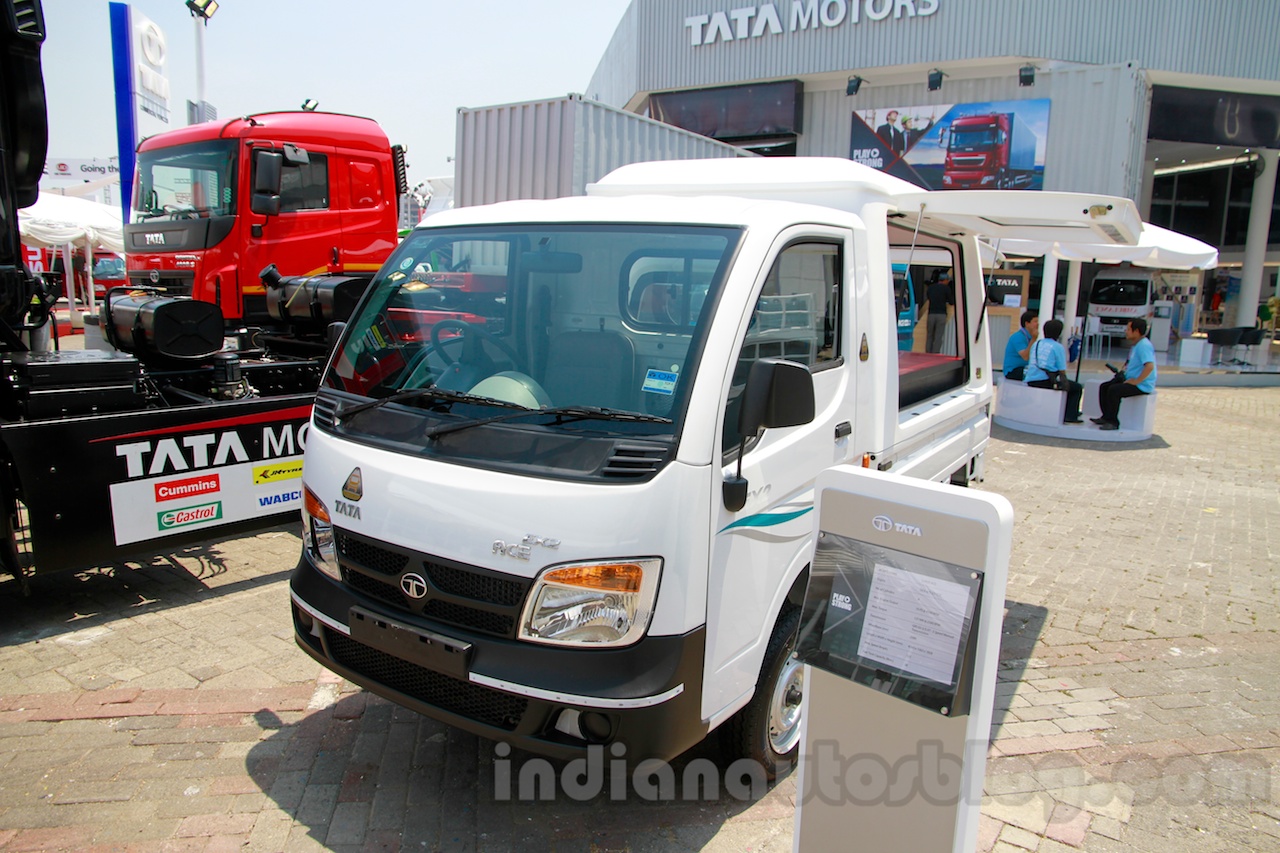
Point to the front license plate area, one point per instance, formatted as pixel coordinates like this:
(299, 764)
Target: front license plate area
(425, 648)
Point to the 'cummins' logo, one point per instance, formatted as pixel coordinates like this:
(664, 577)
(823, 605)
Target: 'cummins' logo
(414, 585)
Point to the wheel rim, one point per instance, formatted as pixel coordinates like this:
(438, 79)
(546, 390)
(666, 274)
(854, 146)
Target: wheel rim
(784, 707)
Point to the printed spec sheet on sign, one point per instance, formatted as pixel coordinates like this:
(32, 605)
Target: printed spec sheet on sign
(914, 623)
(176, 483)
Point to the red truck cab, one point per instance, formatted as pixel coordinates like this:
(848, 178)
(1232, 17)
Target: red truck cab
(989, 151)
(208, 215)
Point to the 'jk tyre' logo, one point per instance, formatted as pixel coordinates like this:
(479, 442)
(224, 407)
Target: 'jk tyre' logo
(170, 519)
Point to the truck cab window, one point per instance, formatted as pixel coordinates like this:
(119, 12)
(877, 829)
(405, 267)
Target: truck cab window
(306, 187)
(797, 317)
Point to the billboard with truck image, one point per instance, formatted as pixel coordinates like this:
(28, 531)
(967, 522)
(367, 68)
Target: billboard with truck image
(985, 145)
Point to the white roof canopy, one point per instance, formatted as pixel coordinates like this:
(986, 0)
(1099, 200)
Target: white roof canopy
(1156, 247)
(56, 220)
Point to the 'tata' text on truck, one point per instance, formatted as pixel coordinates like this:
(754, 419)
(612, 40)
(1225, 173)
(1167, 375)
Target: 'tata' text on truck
(192, 415)
(588, 520)
(989, 151)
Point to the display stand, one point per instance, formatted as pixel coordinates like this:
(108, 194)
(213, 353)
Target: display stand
(900, 636)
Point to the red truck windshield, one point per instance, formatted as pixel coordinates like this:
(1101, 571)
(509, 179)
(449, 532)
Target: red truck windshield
(979, 137)
(184, 180)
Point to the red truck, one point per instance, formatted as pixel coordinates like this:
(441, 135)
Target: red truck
(216, 203)
(989, 151)
(187, 414)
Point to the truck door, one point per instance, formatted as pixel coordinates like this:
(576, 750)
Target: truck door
(799, 315)
(303, 238)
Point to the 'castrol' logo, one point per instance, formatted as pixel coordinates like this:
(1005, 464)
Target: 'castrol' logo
(189, 515)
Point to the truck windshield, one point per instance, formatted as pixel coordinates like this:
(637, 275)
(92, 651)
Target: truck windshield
(1115, 291)
(606, 320)
(184, 180)
(979, 137)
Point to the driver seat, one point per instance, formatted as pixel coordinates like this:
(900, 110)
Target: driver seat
(591, 369)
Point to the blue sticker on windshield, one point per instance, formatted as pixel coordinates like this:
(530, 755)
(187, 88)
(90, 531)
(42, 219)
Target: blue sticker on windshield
(660, 382)
(406, 263)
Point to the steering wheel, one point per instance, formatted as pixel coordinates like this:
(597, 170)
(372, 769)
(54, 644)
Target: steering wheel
(470, 351)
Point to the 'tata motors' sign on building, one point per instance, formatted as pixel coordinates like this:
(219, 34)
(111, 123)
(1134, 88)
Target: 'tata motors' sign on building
(746, 22)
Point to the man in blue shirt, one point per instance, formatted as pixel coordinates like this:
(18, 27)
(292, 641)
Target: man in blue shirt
(1017, 350)
(1138, 376)
(1047, 358)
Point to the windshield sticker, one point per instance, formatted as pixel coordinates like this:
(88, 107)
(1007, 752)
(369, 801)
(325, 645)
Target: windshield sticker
(660, 382)
(406, 263)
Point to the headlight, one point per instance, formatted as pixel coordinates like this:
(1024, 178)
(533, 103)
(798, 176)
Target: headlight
(317, 535)
(592, 604)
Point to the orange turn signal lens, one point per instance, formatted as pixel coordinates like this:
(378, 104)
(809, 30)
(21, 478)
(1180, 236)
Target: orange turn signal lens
(610, 577)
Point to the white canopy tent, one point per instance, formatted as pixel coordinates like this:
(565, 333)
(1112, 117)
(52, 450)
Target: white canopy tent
(1157, 247)
(57, 220)
(61, 221)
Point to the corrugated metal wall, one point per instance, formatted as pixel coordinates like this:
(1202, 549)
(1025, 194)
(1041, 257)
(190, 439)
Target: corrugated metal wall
(554, 148)
(1221, 38)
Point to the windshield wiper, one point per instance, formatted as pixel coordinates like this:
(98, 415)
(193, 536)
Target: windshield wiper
(560, 413)
(416, 393)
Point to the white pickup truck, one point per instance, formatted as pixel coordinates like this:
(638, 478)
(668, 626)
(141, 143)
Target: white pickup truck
(559, 481)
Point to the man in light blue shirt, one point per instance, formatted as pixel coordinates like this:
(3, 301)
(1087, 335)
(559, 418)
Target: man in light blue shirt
(1047, 358)
(1138, 376)
(1017, 350)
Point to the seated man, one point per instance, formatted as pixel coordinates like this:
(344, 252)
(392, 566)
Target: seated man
(1048, 358)
(1138, 376)
(1016, 351)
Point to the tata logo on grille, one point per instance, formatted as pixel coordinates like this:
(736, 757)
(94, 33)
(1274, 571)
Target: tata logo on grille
(414, 585)
(189, 515)
(883, 523)
(353, 489)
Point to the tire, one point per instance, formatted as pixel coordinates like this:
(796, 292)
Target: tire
(767, 730)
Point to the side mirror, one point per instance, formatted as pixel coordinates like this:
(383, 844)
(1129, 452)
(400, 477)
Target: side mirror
(332, 333)
(779, 393)
(295, 156)
(267, 170)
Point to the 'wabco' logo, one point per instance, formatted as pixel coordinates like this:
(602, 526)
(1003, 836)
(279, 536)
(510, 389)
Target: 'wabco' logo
(884, 524)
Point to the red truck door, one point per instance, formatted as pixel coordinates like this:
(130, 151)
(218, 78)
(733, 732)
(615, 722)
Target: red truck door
(303, 238)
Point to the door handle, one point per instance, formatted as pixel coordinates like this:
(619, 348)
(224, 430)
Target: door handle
(843, 429)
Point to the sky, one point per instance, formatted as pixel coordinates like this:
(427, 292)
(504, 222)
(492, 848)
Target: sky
(408, 64)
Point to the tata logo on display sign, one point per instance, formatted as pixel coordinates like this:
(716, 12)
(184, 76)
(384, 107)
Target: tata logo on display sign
(773, 19)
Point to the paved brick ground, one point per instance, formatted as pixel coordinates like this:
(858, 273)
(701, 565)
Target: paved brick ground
(164, 706)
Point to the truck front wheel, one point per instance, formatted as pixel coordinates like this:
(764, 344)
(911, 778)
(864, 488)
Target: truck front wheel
(767, 730)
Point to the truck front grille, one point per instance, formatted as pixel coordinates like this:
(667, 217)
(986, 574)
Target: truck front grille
(491, 707)
(464, 596)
